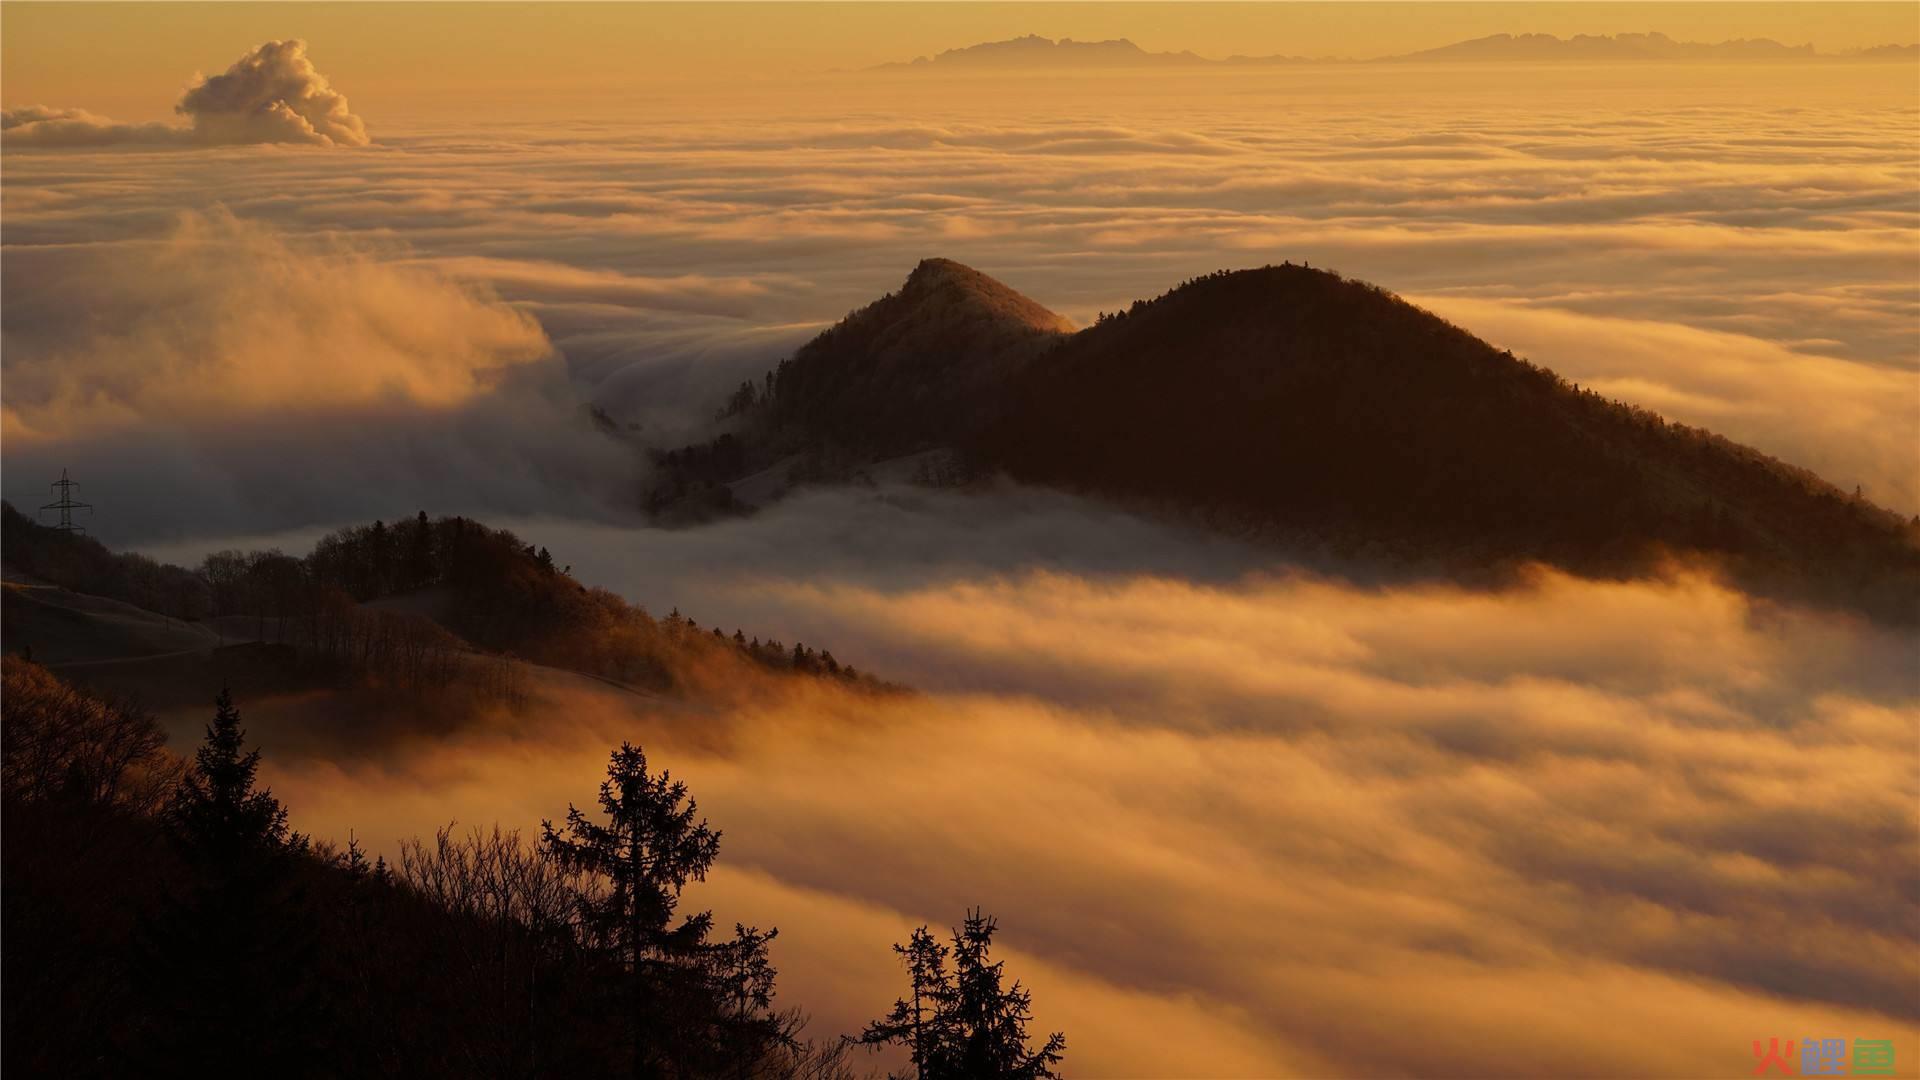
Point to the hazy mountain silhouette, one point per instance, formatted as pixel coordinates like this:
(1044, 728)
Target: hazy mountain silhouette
(1034, 53)
(1651, 46)
(1901, 53)
(1291, 401)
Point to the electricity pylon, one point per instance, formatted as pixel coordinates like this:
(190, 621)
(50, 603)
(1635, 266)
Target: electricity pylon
(66, 505)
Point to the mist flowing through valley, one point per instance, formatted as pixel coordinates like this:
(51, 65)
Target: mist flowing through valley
(1466, 803)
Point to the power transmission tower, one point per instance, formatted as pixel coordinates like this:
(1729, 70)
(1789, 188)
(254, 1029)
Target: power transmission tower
(66, 505)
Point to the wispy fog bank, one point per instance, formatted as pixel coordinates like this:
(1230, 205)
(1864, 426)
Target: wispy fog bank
(1279, 826)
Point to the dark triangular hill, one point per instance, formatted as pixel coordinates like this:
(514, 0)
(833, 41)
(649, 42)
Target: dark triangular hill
(1293, 402)
(1296, 399)
(916, 367)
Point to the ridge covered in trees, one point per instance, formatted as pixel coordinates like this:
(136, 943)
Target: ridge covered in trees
(920, 367)
(417, 606)
(163, 918)
(499, 592)
(1295, 400)
(66, 559)
(1295, 404)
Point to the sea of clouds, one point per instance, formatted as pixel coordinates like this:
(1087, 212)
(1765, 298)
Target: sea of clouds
(1737, 254)
(1237, 818)
(1255, 823)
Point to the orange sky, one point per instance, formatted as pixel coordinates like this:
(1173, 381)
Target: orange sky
(130, 59)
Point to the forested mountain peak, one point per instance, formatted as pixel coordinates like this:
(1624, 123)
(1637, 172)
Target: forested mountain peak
(1292, 401)
(916, 365)
(1292, 398)
(940, 284)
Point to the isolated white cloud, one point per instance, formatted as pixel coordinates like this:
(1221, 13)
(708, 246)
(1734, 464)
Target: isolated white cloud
(273, 94)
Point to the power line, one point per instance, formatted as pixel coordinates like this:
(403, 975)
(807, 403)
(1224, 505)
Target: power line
(66, 504)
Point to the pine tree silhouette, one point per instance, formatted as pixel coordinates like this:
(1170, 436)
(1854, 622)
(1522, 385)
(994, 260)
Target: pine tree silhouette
(216, 807)
(923, 1021)
(687, 1000)
(994, 1021)
(230, 961)
(420, 565)
(961, 1025)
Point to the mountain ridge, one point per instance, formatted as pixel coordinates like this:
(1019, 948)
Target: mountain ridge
(1293, 399)
(1032, 52)
(917, 363)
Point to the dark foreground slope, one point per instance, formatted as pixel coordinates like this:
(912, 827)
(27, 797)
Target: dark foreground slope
(1291, 401)
(163, 919)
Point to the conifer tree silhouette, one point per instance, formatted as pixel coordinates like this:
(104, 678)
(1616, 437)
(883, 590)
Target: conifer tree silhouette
(923, 1021)
(229, 962)
(961, 1025)
(216, 807)
(685, 997)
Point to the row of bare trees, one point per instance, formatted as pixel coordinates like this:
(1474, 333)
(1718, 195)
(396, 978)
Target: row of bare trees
(60, 742)
(475, 594)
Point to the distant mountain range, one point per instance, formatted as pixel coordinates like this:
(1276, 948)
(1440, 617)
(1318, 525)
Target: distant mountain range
(1037, 53)
(1294, 404)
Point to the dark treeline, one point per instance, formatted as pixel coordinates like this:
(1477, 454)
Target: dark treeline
(406, 604)
(67, 559)
(1294, 398)
(499, 592)
(163, 918)
(693, 478)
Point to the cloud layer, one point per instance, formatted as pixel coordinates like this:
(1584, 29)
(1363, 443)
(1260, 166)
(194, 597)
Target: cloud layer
(1237, 819)
(1737, 253)
(225, 376)
(221, 318)
(40, 125)
(273, 94)
(1278, 826)
(1240, 819)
